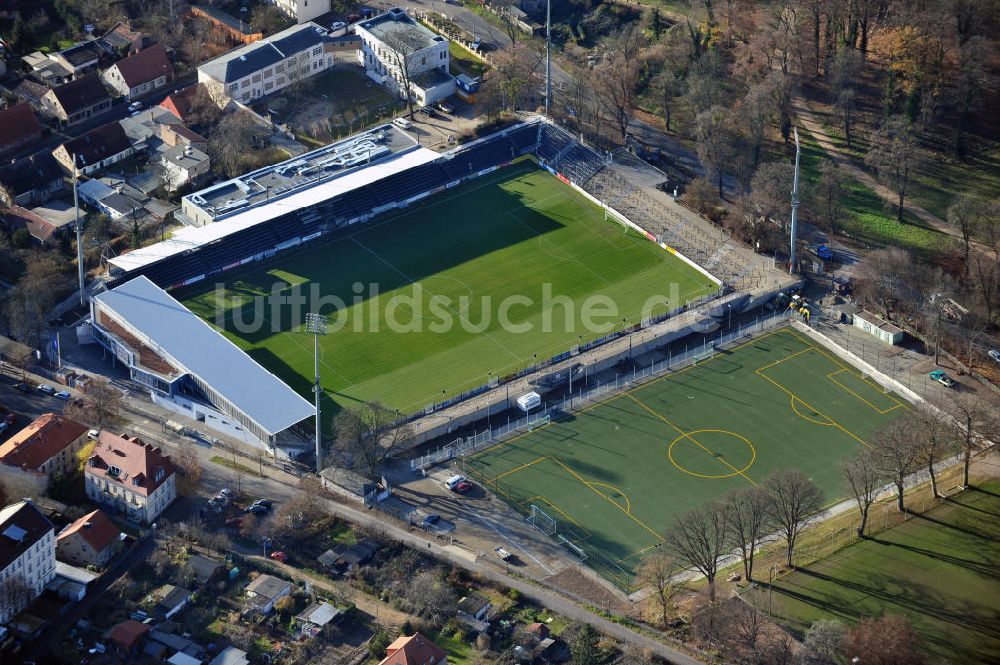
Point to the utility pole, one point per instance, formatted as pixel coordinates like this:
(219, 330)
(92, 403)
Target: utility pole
(548, 56)
(316, 324)
(79, 230)
(795, 206)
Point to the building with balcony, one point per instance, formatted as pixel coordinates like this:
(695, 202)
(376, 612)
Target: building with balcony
(129, 477)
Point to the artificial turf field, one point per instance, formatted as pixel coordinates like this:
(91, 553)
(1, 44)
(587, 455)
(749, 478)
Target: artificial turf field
(938, 568)
(613, 475)
(501, 235)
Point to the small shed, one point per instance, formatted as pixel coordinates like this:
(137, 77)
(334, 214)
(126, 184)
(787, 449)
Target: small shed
(878, 328)
(317, 617)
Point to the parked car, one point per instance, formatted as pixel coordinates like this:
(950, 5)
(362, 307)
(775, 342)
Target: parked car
(462, 487)
(445, 107)
(337, 25)
(431, 520)
(454, 480)
(942, 377)
(226, 492)
(402, 123)
(824, 252)
(502, 553)
(23, 387)
(279, 556)
(994, 354)
(47, 389)
(255, 509)
(135, 106)
(267, 503)
(3, 427)
(63, 395)
(476, 44)
(426, 110)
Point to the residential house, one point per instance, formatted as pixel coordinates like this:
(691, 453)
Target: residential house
(41, 229)
(183, 164)
(346, 558)
(414, 650)
(127, 636)
(45, 70)
(92, 540)
(476, 606)
(30, 91)
(96, 150)
(177, 134)
(27, 556)
(317, 618)
(205, 568)
(46, 448)
(121, 40)
(80, 59)
(303, 10)
(266, 66)
(170, 600)
(395, 47)
(230, 656)
(31, 180)
(19, 127)
(141, 73)
(77, 100)
(265, 591)
(130, 476)
(181, 102)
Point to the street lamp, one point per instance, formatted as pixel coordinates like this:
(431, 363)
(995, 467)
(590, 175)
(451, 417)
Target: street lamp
(316, 324)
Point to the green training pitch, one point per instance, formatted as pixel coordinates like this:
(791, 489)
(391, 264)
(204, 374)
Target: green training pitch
(613, 475)
(465, 256)
(938, 569)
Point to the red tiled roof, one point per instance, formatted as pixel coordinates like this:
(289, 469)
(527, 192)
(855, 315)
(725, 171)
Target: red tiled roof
(179, 103)
(413, 650)
(40, 441)
(18, 125)
(145, 66)
(128, 632)
(96, 529)
(39, 227)
(139, 463)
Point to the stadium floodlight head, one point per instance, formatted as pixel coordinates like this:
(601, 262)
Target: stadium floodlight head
(316, 324)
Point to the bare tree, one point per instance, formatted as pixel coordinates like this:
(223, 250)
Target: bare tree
(795, 503)
(230, 143)
(371, 432)
(821, 644)
(14, 594)
(504, 11)
(935, 442)
(748, 518)
(748, 624)
(975, 425)
(828, 195)
(514, 71)
(715, 142)
(864, 477)
(32, 298)
(895, 157)
(884, 640)
(431, 596)
(699, 539)
(884, 281)
(188, 468)
(616, 78)
(400, 54)
(897, 454)
(658, 571)
(843, 75)
(984, 282)
(970, 83)
(968, 213)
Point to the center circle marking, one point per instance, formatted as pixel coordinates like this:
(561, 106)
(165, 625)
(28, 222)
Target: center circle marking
(691, 434)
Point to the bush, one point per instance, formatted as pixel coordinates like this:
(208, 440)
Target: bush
(514, 595)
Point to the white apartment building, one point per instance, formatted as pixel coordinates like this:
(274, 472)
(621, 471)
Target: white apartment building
(393, 40)
(252, 71)
(303, 10)
(27, 557)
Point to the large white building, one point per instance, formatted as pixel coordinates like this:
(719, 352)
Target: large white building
(303, 10)
(268, 65)
(393, 45)
(27, 557)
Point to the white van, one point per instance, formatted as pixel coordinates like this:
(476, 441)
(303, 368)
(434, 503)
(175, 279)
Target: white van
(402, 123)
(453, 481)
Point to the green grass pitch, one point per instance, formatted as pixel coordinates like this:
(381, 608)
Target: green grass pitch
(937, 568)
(614, 474)
(502, 235)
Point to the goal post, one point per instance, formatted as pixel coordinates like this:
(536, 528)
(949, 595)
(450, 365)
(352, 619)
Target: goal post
(542, 521)
(538, 422)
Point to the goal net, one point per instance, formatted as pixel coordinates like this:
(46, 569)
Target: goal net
(542, 521)
(538, 422)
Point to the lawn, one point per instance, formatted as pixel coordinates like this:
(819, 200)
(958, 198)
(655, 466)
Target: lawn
(937, 568)
(463, 62)
(478, 282)
(613, 475)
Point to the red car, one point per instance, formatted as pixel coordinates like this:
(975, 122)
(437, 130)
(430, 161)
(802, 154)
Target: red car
(462, 487)
(279, 556)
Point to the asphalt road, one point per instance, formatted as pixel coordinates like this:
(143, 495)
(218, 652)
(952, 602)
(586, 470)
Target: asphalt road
(26, 405)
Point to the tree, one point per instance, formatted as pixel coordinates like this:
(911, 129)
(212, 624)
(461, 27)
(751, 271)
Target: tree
(795, 502)
(14, 594)
(431, 596)
(897, 454)
(747, 624)
(748, 518)
(371, 432)
(969, 84)
(284, 605)
(821, 644)
(984, 282)
(267, 18)
(828, 195)
(616, 78)
(658, 571)
(514, 70)
(886, 640)
(935, 441)
(699, 539)
(584, 648)
(231, 143)
(503, 10)
(104, 403)
(864, 477)
(843, 77)
(975, 424)
(189, 469)
(32, 298)
(715, 142)
(884, 281)
(400, 56)
(895, 157)
(968, 213)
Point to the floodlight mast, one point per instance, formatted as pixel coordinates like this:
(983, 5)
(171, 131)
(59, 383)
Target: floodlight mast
(79, 230)
(316, 324)
(795, 206)
(548, 56)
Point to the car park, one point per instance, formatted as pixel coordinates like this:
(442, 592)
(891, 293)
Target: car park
(63, 395)
(942, 377)
(47, 389)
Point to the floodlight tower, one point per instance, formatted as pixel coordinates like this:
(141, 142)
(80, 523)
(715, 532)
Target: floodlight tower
(795, 206)
(316, 324)
(79, 229)
(548, 56)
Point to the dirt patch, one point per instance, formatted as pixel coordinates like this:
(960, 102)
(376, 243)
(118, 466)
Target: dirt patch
(574, 581)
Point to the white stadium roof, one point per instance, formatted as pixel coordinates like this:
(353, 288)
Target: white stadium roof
(200, 350)
(192, 237)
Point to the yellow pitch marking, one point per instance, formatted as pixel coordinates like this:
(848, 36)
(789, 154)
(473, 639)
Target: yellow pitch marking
(521, 468)
(805, 417)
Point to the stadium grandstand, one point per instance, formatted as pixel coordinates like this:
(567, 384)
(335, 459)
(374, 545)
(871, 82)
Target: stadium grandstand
(192, 369)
